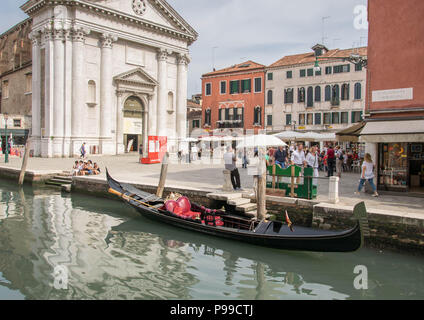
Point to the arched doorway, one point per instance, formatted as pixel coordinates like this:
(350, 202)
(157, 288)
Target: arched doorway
(134, 113)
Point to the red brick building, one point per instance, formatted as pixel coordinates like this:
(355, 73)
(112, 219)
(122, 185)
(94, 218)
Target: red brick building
(234, 98)
(395, 93)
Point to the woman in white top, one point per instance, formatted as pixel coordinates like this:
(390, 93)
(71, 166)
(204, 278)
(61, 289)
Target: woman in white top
(367, 175)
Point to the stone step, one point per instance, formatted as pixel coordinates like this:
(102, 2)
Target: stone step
(238, 202)
(52, 183)
(246, 207)
(224, 196)
(61, 180)
(250, 196)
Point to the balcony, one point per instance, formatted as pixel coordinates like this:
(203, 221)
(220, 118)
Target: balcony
(229, 124)
(335, 102)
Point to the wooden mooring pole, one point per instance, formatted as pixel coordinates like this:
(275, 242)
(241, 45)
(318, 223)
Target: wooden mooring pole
(163, 174)
(261, 193)
(24, 164)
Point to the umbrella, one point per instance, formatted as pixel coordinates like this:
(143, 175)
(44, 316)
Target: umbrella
(211, 139)
(290, 135)
(190, 140)
(260, 140)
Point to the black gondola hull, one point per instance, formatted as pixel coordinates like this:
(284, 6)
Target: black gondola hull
(302, 239)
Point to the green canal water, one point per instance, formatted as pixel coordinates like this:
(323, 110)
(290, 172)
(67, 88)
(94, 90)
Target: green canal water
(110, 252)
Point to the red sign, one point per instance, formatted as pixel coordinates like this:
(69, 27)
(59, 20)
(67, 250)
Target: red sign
(157, 147)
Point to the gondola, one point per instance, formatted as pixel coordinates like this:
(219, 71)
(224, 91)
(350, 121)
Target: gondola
(272, 234)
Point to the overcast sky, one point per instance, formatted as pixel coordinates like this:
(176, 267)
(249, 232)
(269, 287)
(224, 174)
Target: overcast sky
(259, 30)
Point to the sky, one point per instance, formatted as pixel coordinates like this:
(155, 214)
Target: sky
(234, 31)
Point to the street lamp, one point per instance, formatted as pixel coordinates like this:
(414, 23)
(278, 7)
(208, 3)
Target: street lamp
(6, 155)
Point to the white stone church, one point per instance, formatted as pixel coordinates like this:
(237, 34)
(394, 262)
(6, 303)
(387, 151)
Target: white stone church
(106, 72)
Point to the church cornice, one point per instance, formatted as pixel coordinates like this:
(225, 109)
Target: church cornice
(187, 33)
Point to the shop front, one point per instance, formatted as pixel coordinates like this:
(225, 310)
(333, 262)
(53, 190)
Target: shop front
(399, 154)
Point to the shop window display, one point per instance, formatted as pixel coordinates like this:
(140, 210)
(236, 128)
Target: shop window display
(393, 165)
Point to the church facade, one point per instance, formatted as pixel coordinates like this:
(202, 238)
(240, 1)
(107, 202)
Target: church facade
(107, 72)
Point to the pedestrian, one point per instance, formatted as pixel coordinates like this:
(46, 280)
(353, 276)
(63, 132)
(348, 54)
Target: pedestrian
(281, 157)
(298, 158)
(83, 151)
(313, 162)
(230, 160)
(140, 150)
(367, 175)
(331, 161)
(339, 161)
(245, 159)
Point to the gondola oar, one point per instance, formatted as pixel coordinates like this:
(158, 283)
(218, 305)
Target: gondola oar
(124, 196)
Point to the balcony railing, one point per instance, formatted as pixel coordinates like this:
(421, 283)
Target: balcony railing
(223, 124)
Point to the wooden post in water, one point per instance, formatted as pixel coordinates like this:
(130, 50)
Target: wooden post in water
(163, 173)
(24, 164)
(261, 193)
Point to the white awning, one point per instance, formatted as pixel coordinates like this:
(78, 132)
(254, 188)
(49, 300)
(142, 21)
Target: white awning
(393, 131)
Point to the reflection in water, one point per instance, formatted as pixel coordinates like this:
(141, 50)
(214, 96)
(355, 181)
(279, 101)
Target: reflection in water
(112, 253)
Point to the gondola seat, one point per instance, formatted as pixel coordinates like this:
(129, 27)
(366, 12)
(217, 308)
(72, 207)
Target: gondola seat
(181, 208)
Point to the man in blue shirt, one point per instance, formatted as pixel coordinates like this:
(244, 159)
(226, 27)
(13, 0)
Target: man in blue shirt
(281, 157)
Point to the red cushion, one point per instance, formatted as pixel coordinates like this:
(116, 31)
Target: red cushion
(184, 203)
(171, 205)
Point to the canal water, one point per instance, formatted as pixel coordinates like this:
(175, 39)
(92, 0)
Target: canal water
(55, 246)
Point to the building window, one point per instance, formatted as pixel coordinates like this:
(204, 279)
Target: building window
(327, 93)
(317, 118)
(257, 118)
(310, 119)
(258, 85)
(270, 76)
(318, 72)
(5, 90)
(358, 91)
(335, 95)
(317, 94)
(269, 120)
(301, 95)
(288, 95)
(234, 87)
(196, 124)
(223, 87)
(356, 116)
(345, 117)
(288, 119)
(328, 70)
(358, 67)
(310, 72)
(301, 119)
(327, 118)
(246, 86)
(17, 123)
(28, 81)
(310, 100)
(341, 68)
(289, 74)
(208, 89)
(345, 91)
(269, 97)
(208, 119)
(91, 91)
(302, 73)
(335, 117)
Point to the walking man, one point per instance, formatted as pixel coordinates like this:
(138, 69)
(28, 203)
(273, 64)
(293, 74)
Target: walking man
(230, 164)
(298, 158)
(83, 151)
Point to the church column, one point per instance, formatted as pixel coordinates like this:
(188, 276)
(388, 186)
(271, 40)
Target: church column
(59, 93)
(78, 87)
(36, 94)
(106, 90)
(153, 114)
(120, 148)
(162, 93)
(181, 125)
(146, 124)
(46, 145)
(68, 95)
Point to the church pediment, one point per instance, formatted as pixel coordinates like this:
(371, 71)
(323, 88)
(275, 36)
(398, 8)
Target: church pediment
(137, 77)
(155, 11)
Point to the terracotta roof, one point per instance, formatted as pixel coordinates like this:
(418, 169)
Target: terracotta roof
(310, 57)
(241, 67)
(193, 104)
